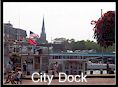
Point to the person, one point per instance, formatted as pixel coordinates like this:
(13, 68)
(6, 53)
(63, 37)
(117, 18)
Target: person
(8, 79)
(13, 76)
(18, 76)
(56, 68)
(25, 67)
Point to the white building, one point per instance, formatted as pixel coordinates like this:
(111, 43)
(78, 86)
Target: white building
(68, 63)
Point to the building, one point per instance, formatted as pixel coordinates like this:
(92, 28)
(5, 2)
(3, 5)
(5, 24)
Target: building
(75, 63)
(37, 60)
(59, 40)
(44, 62)
(70, 63)
(13, 43)
(11, 35)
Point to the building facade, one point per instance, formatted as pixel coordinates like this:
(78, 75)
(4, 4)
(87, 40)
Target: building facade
(11, 33)
(11, 36)
(69, 63)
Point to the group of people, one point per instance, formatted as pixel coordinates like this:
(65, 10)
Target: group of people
(14, 74)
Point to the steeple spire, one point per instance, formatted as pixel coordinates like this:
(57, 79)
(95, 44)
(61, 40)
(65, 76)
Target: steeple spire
(43, 34)
(43, 26)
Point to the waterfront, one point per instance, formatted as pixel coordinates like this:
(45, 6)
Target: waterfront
(26, 54)
(90, 81)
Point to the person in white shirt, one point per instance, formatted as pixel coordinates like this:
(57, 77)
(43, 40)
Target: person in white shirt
(55, 67)
(18, 76)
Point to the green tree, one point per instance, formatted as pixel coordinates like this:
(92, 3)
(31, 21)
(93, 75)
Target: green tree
(79, 45)
(15, 58)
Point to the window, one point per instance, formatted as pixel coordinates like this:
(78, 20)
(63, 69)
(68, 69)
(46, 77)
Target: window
(59, 57)
(79, 57)
(75, 57)
(56, 57)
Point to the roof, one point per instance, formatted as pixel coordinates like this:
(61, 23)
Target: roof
(83, 54)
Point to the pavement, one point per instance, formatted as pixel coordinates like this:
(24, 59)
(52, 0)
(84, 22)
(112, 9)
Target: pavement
(90, 81)
(88, 76)
(107, 79)
(28, 77)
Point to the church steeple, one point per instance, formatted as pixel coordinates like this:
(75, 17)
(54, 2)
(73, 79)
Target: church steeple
(43, 26)
(43, 34)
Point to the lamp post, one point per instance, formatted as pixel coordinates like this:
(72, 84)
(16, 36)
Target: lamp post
(102, 47)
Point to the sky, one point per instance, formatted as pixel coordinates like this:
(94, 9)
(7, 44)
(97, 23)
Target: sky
(62, 19)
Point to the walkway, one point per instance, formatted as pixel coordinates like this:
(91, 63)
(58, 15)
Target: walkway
(90, 81)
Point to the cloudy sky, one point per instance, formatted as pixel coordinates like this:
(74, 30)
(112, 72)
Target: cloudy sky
(62, 19)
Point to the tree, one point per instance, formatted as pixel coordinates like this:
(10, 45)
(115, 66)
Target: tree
(71, 43)
(79, 45)
(104, 30)
(15, 58)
